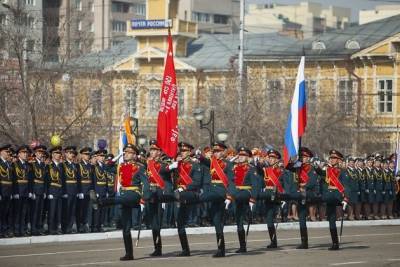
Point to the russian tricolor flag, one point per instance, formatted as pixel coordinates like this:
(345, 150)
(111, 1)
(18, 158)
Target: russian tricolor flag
(297, 118)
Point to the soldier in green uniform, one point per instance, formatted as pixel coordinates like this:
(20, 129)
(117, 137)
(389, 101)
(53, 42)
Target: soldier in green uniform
(134, 189)
(369, 187)
(305, 190)
(5, 191)
(354, 187)
(359, 164)
(220, 179)
(335, 192)
(390, 186)
(379, 187)
(100, 185)
(188, 189)
(245, 192)
(85, 172)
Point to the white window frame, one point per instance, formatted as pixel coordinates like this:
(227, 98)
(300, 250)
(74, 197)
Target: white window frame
(129, 106)
(385, 101)
(79, 25)
(28, 2)
(78, 5)
(150, 111)
(96, 112)
(347, 95)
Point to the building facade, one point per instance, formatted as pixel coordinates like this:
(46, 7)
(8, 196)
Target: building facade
(380, 12)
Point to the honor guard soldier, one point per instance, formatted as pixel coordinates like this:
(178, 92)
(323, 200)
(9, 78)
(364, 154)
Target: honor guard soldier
(22, 189)
(55, 185)
(306, 190)
(354, 187)
(370, 187)
(72, 189)
(390, 188)
(134, 189)
(5, 191)
(362, 185)
(39, 190)
(379, 188)
(188, 188)
(160, 182)
(245, 192)
(101, 188)
(221, 175)
(276, 189)
(85, 172)
(334, 192)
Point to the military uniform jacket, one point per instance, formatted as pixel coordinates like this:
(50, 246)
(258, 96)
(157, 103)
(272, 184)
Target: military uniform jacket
(5, 179)
(246, 178)
(132, 176)
(21, 178)
(100, 181)
(390, 183)
(361, 174)
(353, 183)
(329, 182)
(38, 173)
(379, 184)
(163, 172)
(284, 184)
(212, 177)
(307, 178)
(370, 180)
(190, 175)
(85, 173)
(55, 179)
(72, 179)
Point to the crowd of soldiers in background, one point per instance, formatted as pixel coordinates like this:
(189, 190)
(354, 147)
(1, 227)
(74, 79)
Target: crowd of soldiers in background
(29, 207)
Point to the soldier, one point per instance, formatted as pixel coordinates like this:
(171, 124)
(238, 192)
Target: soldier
(188, 188)
(244, 193)
(334, 192)
(379, 189)
(221, 179)
(276, 188)
(85, 173)
(100, 185)
(390, 188)
(72, 191)
(134, 189)
(359, 164)
(354, 187)
(305, 190)
(369, 187)
(5, 191)
(39, 190)
(22, 189)
(160, 182)
(55, 184)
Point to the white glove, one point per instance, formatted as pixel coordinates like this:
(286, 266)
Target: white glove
(283, 204)
(397, 178)
(16, 196)
(197, 152)
(50, 197)
(141, 207)
(44, 195)
(80, 196)
(233, 159)
(180, 189)
(251, 205)
(65, 196)
(383, 192)
(33, 196)
(344, 203)
(1, 198)
(97, 195)
(297, 164)
(107, 195)
(173, 165)
(30, 195)
(358, 193)
(163, 206)
(367, 191)
(227, 203)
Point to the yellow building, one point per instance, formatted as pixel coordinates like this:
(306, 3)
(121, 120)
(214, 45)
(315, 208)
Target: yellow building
(352, 78)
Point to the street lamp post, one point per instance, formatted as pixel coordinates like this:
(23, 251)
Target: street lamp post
(198, 114)
(222, 136)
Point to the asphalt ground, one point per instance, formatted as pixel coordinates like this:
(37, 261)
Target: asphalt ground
(361, 246)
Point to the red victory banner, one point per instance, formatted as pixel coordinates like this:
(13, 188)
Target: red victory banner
(167, 125)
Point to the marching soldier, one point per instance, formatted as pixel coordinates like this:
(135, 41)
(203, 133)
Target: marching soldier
(85, 172)
(221, 176)
(5, 191)
(134, 189)
(55, 185)
(22, 189)
(379, 188)
(39, 190)
(72, 189)
(354, 187)
(335, 192)
(160, 182)
(369, 187)
(188, 188)
(100, 185)
(306, 190)
(276, 189)
(245, 192)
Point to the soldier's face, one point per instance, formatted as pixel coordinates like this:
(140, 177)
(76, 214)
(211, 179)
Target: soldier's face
(23, 155)
(370, 163)
(5, 154)
(333, 161)
(70, 156)
(272, 160)
(129, 155)
(350, 164)
(242, 158)
(305, 159)
(154, 153)
(101, 158)
(85, 157)
(377, 164)
(218, 154)
(56, 156)
(391, 165)
(39, 155)
(184, 154)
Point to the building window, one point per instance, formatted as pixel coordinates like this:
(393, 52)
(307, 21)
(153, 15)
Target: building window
(345, 91)
(216, 94)
(131, 99)
(30, 2)
(30, 45)
(78, 5)
(312, 91)
(68, 99)
(154, 101)
(3, 19)
(91, 27)
(200, 17)
(91, 6)
(79, 25)
(273, 95)
(119, 26)
(139, 9)
(96, 102)
(116, 42)
(181, 102)
(120, 7)
(220, 19)
(385, 96)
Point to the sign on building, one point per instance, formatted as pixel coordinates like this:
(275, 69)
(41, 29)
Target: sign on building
(150, 24)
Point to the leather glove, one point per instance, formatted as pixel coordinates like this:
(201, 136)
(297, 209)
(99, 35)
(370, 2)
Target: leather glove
(141, 207)
(65, 196)
(50, 197)
(173, 165)
(251, 205)
(16, 196)
(227, 203)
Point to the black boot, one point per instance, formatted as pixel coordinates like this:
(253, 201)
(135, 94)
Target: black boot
(157, 244)
(272, 236)
(185, 245)
(221, 246)
(335, 240)
(242, 242)
(304, 239)
(128, 248)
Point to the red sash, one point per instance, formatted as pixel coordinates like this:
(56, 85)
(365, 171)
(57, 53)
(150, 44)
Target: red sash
(184, 174)
(126, 172)
(303, 174)
(154, 173)
(333, 175)
(220, 173)
(273, 174)
(240, 173)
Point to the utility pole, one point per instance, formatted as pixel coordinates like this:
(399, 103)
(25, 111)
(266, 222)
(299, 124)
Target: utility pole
(241, 67)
